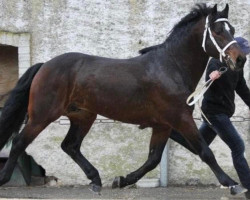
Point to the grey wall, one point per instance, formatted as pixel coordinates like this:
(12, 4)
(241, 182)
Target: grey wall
(115, 29)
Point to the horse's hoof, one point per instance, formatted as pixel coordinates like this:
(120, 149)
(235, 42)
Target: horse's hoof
(237, 189)
(3, 180)
(96, 189)
(247, 194)
(117, 182)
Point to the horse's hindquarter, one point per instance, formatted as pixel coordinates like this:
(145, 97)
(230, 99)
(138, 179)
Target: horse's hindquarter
(51, 87)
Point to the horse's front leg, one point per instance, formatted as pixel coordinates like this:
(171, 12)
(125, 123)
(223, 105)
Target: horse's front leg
(189, 131)
(158, 141)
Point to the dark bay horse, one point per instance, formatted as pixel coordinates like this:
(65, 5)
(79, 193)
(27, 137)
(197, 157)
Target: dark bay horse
(149, 90)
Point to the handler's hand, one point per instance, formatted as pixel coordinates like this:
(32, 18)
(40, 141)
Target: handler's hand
(215, 75)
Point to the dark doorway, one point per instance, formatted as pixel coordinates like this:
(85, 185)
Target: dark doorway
(8, 69)
(27, 170)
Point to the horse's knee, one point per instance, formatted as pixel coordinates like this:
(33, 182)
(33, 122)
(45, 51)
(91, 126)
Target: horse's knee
(154, 159)
(73, 150)
(204, 152)
(69, 149)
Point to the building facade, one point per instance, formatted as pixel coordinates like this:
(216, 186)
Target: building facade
(42, 29)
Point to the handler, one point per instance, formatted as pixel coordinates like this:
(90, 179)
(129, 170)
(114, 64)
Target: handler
(218, 106)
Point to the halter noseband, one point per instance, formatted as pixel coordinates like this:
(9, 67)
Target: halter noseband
(207, 29)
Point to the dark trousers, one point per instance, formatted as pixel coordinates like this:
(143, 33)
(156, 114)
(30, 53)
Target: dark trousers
(223, 127)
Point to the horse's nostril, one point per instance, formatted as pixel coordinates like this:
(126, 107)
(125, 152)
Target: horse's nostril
(240, 61)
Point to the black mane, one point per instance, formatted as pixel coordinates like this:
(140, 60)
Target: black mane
(200, 10)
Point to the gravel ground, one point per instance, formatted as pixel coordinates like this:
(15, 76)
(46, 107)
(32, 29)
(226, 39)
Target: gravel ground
(82, 192)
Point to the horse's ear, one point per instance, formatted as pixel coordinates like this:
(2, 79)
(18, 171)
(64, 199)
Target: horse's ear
(214, 10)
(225, 11)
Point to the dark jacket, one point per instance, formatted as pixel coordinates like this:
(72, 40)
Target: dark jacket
(219, 98)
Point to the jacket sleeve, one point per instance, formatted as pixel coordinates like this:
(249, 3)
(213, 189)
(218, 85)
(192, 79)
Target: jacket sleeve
(242, 89)
(213, 65)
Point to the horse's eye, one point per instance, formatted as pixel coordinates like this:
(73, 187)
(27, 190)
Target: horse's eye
(232, 30)
(218, 29)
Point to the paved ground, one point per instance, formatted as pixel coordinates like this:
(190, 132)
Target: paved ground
(169, 193)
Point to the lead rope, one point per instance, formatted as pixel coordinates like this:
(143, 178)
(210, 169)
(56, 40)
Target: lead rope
(198, 93)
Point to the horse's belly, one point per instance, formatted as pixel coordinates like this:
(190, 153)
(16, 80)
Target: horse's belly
(134, 114)
(130, 117)
(129, 104)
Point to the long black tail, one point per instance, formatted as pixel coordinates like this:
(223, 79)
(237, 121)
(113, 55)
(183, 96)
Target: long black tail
(15, 108)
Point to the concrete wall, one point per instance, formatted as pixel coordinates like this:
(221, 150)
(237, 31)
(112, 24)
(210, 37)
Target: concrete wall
(115, 29)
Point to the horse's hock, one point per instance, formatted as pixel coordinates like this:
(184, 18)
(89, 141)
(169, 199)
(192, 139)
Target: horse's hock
(36, 31)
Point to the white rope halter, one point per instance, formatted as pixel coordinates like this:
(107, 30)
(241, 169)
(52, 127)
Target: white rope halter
(198, 93)
(207, 29)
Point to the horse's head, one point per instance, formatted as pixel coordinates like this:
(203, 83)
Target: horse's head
(218, 39)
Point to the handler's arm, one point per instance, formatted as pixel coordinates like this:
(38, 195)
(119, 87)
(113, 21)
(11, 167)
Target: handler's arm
(242, 89)
(213, 69)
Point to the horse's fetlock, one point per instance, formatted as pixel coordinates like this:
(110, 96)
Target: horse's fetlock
(97, 181)
(4, 179)
(226, 181)
(94, 176)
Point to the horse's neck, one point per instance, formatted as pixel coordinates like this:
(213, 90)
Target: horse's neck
(190, 55)
(196, 67)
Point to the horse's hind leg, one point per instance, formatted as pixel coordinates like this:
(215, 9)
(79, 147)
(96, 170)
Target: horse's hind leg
(158, 141)
(19, 144)
(79, 128)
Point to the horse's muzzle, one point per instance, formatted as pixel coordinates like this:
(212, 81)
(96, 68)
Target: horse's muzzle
(235, 66)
